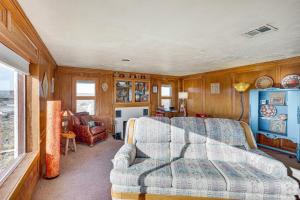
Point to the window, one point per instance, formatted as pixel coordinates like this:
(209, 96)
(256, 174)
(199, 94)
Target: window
(166, 96)
(12, 119)
(166, 90)
(86, 96)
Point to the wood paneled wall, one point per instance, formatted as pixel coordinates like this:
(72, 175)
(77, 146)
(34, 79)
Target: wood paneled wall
(18, 34)
(227, 104)
(65, 79)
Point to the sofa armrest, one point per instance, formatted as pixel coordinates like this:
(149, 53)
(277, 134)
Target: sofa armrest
(266, 164)
(124, 157)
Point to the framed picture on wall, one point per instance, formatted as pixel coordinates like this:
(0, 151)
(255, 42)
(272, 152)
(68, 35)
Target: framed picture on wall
(277, 98)
(215, 88)
(154, 89)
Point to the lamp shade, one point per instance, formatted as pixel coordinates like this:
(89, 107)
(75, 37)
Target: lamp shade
(241, 87)
(182, 95)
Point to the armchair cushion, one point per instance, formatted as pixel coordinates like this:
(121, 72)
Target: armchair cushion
(85, 119)
(91, 124)
(97, 129)
(144, 172)
(242, 177)
(124, 157)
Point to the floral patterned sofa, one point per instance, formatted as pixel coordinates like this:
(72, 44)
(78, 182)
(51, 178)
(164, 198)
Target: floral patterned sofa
(195, 157)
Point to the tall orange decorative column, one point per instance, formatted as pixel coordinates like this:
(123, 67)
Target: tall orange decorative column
(53, 131)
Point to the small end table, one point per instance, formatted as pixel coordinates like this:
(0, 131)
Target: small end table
(69, 135)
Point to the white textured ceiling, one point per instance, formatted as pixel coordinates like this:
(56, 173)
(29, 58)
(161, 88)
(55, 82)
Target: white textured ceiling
(175, 37)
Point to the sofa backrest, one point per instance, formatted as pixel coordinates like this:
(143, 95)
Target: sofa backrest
(223, 137)
(152, 137)
(188, 138)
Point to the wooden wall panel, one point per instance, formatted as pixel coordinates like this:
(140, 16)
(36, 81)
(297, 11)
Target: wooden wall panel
(195, 90)
(18, 34)
(214, 103)
(227, 103)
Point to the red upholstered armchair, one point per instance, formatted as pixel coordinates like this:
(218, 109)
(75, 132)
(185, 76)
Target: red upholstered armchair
(88, 129)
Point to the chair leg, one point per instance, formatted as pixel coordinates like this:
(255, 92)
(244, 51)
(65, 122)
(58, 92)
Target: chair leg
(67, 146)
(74, 144)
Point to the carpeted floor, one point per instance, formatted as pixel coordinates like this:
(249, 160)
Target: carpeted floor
(85, 174)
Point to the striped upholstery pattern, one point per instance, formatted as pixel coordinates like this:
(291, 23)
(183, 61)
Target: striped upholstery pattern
(188, 138)
(196, 174)
(226, 131)
(152, 136)
(266, 164)
(144, 172)
(241, 177)
(124, 157)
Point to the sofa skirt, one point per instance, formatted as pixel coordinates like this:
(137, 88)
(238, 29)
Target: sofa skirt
(194, 193)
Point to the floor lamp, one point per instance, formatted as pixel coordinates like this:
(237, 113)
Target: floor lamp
(241, 88)
(182, 96)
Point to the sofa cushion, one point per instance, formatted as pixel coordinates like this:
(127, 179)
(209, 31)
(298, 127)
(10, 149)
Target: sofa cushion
(159, 151)
(188, 130)
(97, 129)
(144, 172)
(196, 174)
(226, 131)
(241, 177)
(152, 130)
(189, 151)
(225, 152)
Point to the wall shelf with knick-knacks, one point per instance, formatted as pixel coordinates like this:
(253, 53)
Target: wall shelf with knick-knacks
(131, 89)
(275, 113)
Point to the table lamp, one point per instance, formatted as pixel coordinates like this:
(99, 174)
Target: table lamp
(65, 121)
(182, 96)
(241, 88)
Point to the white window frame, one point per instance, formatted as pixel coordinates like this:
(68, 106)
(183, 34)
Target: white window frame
(17, 143)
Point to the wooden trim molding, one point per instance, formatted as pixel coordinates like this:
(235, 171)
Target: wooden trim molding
(25, 175)
(249, 135)
(139, 196)
(131, 128)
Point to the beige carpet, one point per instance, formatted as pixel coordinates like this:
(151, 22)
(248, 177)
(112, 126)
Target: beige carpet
(84, 174)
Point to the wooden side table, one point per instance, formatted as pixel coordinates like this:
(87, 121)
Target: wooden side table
(69, 135)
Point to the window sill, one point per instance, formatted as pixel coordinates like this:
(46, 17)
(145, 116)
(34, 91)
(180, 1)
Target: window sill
(18, 176)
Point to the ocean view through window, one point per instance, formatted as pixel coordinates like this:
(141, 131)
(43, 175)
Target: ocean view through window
(12, 119)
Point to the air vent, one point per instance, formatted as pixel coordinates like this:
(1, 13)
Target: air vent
(261, 30)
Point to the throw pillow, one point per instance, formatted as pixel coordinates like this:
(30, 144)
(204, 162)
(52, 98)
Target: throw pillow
(91, 124)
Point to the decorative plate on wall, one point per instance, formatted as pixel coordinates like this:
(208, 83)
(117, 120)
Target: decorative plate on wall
(291, 81)
(45, 85)
(104, 86)
(264, 82)
(268, 110)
